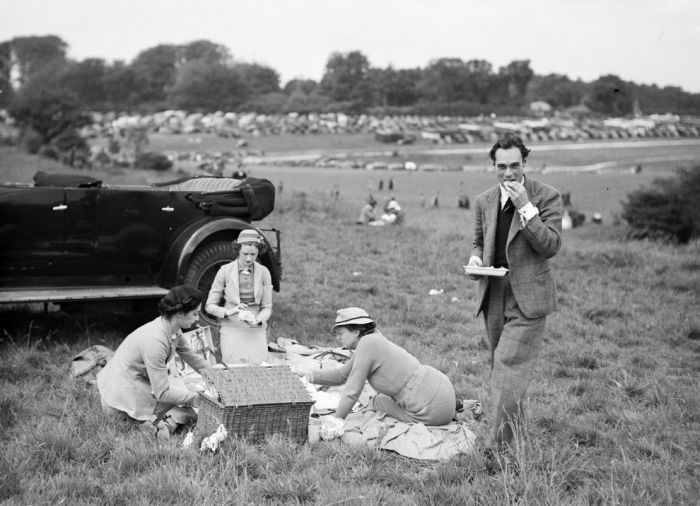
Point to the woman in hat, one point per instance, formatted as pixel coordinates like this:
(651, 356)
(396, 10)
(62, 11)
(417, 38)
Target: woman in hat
(406, 389)
(134, 384)
(367, 212)
(244, 286)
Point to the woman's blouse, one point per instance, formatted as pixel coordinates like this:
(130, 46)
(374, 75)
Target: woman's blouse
(386, 366)
(245, 283)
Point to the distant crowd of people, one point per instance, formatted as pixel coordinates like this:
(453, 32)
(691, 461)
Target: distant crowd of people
(391, 214)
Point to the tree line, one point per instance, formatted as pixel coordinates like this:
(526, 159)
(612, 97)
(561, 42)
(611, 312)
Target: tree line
(203, 76)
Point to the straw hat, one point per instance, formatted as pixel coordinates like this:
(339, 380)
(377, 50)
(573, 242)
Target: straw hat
(352, 316)
(248, 235)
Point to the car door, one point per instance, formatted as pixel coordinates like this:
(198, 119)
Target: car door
(31, 228)
(81, 227)
(133, 227)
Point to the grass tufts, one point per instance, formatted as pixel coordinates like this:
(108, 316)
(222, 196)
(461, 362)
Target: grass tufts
(590, 363)
(636, 389)
(293, 489)
(161, 485)
(600, 316)
(10, 479)
(75, 488)
(563, 372)
(10, 411)
(53, 447)
(584, 437)
(14, 373)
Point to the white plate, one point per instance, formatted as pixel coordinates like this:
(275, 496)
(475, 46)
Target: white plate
(485, 271)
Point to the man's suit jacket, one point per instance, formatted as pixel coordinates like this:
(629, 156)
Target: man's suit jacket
(527, 248)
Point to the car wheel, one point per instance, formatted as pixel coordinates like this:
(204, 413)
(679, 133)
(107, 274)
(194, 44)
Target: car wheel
(204, 265)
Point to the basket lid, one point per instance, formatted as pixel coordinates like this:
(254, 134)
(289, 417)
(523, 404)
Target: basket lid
(257, 385)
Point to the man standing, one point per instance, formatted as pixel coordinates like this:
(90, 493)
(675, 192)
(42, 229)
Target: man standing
(517, 226)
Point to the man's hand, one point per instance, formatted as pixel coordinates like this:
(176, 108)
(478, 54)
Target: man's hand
(517, 193)
(474, 262)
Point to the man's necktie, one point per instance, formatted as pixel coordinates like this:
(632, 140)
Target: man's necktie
(508, 207)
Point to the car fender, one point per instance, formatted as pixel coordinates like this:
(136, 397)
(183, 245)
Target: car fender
(178, 257)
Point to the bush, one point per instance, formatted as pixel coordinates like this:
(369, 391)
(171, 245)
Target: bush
(7, 137)
(47, 110)
(31, 141)
(153, 161)
(49, 151)
(268, 103)
(69, 139)
(667, 210)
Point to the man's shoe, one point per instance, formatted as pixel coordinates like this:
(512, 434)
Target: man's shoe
(468, 408)
(500, 460)
(491, 462)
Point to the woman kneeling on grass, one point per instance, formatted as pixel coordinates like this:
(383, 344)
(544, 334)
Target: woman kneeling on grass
(135, 384)
(406, 389)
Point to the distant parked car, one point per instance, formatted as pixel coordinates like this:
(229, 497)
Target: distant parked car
(394, 137)
(67, 238)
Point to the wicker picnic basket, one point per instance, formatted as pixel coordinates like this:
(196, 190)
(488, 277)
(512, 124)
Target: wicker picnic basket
(255, 401)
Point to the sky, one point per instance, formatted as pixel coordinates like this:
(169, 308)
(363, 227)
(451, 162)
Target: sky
(645, 41)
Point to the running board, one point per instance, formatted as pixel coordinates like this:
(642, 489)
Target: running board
(78, 293)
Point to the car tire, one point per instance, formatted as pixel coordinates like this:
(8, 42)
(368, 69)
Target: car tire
(206, 262)
(202, 269)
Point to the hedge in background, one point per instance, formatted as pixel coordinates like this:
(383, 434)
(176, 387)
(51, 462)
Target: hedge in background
(667, 210)
(153, 161)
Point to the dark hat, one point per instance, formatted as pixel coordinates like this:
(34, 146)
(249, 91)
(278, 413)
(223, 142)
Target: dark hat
(180, 299)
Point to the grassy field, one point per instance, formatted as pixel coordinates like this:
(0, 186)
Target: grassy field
(591, 192)
(613, 411)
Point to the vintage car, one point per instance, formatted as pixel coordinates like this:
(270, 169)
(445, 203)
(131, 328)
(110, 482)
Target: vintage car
(71, 238)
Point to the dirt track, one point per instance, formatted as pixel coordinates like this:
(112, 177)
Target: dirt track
(477, 149)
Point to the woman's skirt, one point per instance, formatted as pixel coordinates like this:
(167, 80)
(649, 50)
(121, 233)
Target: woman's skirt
(242, 343)
(428, 397)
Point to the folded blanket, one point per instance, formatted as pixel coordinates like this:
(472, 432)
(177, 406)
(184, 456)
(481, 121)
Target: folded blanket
(88, 362)
(413, 440)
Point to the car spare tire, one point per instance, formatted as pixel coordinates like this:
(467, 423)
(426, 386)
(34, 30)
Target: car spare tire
(202, 269)
(206, 262)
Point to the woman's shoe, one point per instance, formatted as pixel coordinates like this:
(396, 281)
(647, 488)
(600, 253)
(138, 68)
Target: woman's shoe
(161, 429)
(165, 428)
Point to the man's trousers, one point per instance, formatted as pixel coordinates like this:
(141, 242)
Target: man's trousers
(515, 342)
